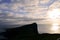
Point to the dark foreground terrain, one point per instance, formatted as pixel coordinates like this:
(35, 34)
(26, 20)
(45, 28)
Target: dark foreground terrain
(28, 32)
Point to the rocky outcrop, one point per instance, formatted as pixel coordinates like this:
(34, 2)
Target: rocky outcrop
(26, 32)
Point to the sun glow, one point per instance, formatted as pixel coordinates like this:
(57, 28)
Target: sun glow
(55, 27)
(54, 13)
(53, 16)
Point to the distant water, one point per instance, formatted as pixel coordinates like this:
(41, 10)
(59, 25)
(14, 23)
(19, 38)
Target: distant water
(47, 28)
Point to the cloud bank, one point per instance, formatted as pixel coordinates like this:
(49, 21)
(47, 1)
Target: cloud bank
(24, 11)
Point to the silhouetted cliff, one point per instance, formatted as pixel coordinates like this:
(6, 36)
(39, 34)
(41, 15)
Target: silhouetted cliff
(26, 32)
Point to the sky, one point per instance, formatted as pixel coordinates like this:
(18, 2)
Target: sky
(14, 12)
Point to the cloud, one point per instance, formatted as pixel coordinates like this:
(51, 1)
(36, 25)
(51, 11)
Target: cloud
(54, 5)
(5, 1)
(46, 3)
(24, 11)
(11, 18)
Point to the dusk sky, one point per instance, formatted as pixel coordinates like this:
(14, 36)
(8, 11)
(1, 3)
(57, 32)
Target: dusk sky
(24, 11)
(20, 12)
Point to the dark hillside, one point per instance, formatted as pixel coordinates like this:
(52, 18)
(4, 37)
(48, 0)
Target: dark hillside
(28, 32)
